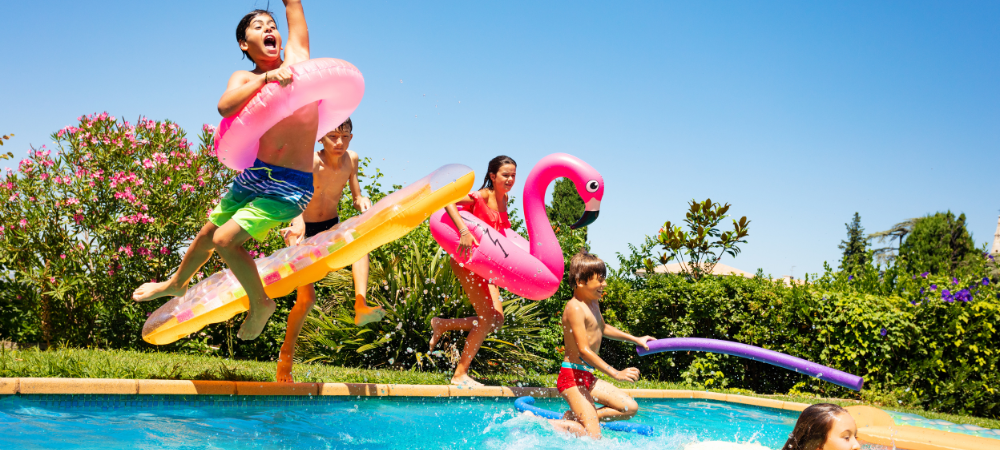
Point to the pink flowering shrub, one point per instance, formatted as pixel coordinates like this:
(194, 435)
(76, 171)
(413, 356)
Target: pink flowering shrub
(84, 223)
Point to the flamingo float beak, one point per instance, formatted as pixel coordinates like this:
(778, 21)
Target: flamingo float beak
(590, 213)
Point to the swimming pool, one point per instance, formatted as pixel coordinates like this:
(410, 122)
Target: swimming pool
(241, 422)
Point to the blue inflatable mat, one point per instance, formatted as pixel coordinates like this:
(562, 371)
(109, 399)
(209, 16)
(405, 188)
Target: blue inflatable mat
(527, 404)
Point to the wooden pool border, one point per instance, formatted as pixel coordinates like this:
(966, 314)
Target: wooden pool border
(874, 425)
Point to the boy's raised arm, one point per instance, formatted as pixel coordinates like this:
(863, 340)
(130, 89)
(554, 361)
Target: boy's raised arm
(578, 334)
(611, 332)
(297, 48)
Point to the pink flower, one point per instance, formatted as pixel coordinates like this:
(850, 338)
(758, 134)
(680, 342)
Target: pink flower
(163, 250)
(62, 256)
(166, 181)
(72, 201)
(137, 218)
(111, 273)
(78, 218)
(52, 279)
(24, 223)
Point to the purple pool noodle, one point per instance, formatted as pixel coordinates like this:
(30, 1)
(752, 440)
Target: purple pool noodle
(757, 354)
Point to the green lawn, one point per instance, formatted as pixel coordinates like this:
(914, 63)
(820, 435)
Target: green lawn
(85, 363)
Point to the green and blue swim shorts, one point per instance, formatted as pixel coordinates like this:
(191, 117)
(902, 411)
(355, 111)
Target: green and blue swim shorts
(264, 196)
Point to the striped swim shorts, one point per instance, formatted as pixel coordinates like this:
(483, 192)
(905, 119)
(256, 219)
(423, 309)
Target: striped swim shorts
(263, 197)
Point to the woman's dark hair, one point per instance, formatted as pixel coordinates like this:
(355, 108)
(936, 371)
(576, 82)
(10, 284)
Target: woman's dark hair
(241, 28)
(494, 167)
(813, 426)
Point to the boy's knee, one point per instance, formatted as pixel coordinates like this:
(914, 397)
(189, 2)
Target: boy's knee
(221, 241)
(631, 407)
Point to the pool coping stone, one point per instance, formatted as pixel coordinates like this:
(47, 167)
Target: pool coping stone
(874, 425)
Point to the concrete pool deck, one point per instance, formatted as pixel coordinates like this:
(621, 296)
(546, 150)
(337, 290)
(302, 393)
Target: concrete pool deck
(874, 425)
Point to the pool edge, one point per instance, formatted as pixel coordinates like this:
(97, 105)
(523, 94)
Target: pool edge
(874, 425)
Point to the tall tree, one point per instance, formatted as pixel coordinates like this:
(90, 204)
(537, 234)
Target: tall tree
(855, 247)
(567, 206)
(887, 255)
(939, 243)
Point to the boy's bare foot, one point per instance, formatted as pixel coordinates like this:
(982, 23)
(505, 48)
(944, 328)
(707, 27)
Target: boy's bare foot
(364, 314)
(285, 369)
(256, 319)
(150, 291)
(465, 381)
(436, 326)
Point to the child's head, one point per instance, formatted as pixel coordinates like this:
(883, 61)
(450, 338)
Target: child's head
(501, 172)
(587, 273)
(338, 140)
(824, 426)
(257, 34)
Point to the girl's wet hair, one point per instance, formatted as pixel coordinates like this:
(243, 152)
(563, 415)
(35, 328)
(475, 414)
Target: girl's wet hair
(584, 265)
(241, 28)
(494, 167)
(813, 426)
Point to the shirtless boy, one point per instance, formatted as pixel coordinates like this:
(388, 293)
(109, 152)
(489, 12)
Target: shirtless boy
(334, 167)
(278, 186)
(583, 328)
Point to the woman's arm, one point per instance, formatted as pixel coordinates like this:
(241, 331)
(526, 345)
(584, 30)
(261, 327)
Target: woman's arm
(467, 241)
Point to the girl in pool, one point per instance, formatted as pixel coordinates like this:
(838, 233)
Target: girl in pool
(824, 426)
(489, 204)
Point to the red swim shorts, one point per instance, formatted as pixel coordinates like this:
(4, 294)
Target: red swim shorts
(572, 377)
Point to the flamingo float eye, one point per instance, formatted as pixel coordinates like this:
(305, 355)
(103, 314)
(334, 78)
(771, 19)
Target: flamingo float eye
(593, 185)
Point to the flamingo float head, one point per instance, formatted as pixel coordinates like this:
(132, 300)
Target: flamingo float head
(588, 181)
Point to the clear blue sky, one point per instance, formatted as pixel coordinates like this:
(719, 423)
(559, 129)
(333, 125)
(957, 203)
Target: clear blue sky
(797, 113)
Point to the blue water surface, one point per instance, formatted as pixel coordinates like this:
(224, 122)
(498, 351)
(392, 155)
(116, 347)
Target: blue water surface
(131, 422)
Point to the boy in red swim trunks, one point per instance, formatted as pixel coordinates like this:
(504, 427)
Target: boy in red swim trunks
(583, 329)
(334, 168)
(278, 186)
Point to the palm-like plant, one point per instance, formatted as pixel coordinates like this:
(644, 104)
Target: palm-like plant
(412, 279)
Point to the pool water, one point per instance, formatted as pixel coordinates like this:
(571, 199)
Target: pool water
(224, 422)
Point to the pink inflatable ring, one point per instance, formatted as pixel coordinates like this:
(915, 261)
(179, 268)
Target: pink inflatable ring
(336, 84)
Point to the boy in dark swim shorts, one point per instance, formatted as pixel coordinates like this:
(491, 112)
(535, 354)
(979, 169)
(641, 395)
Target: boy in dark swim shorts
(583, 329)
(334, 168)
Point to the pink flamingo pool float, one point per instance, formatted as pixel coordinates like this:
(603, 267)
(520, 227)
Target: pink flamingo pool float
(504, 258)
